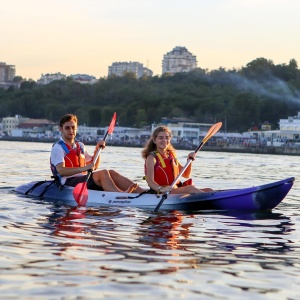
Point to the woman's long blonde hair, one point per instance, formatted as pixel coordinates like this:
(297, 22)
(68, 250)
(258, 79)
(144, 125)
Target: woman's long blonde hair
(150, 146)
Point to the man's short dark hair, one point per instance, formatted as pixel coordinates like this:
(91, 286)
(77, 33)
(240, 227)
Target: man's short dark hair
(67, 118)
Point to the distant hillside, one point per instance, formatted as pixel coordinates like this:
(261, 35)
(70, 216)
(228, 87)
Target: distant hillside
(257, 93)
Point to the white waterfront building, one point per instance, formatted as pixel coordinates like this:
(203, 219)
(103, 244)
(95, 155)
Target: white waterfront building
(181, 131)
(120, 133)
(10, 123)
(178, 60)
(289, 129)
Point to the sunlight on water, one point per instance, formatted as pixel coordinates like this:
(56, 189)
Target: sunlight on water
(116, 253)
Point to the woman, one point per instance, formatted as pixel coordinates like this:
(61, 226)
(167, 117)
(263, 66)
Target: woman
(162, 166)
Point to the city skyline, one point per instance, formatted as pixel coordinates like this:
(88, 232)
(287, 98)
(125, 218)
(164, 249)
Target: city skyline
(87, 36)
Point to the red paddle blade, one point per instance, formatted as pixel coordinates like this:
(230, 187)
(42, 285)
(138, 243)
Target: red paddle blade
(112, 124)
(80, 193)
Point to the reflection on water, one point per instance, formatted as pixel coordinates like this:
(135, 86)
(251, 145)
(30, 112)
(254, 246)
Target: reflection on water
(116, 253)
(165, 231)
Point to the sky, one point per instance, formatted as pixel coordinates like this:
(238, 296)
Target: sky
(87, 36)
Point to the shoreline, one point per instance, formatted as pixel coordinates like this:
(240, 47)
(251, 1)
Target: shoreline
(271, 150)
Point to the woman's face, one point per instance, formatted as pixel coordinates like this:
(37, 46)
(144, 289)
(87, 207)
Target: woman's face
(162, 140)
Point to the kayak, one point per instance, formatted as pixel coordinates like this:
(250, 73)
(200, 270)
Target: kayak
(262, 197)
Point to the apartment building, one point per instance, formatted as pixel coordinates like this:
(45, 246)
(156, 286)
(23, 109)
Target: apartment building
(84, 78)
(7, 72)
(121, 68)
(178, 60)
(47, 78)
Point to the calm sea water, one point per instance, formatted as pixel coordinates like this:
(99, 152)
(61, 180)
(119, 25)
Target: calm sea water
(51, 251)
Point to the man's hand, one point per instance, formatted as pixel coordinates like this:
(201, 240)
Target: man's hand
(100, 144)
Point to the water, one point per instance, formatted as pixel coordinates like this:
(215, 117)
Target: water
(52, 251)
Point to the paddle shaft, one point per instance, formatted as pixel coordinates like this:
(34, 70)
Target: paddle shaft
(99, 150)
(95, 159)
(214, 129)
(81, 196)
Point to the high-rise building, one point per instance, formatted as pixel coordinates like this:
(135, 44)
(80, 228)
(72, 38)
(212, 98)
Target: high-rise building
(178, 60)
(7, 72)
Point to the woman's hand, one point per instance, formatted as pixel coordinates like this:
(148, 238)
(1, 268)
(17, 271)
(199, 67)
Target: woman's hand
(192, 156)
(165, 189)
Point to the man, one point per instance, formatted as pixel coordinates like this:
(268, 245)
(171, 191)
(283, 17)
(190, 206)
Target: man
(70, 162)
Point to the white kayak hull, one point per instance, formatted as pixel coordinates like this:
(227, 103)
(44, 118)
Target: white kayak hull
(263, 197)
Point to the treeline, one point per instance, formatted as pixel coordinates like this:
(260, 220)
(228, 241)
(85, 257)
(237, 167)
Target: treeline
(258, 93)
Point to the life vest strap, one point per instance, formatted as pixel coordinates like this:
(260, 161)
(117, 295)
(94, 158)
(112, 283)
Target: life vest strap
(162, 162)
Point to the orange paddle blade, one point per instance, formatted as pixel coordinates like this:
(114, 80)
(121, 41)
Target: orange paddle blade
(212, 131)
(80, 193)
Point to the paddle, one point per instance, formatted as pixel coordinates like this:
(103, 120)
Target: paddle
(80, 192)
(212, 131)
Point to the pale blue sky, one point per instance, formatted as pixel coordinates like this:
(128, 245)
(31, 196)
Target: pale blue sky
(86, 36)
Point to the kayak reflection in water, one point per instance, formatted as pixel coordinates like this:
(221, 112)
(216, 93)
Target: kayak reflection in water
(166, 231)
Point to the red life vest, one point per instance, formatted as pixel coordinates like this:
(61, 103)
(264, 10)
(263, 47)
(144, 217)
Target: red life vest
(165, 169)
(74, 157)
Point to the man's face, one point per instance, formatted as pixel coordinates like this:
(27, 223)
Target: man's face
(68, 130)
